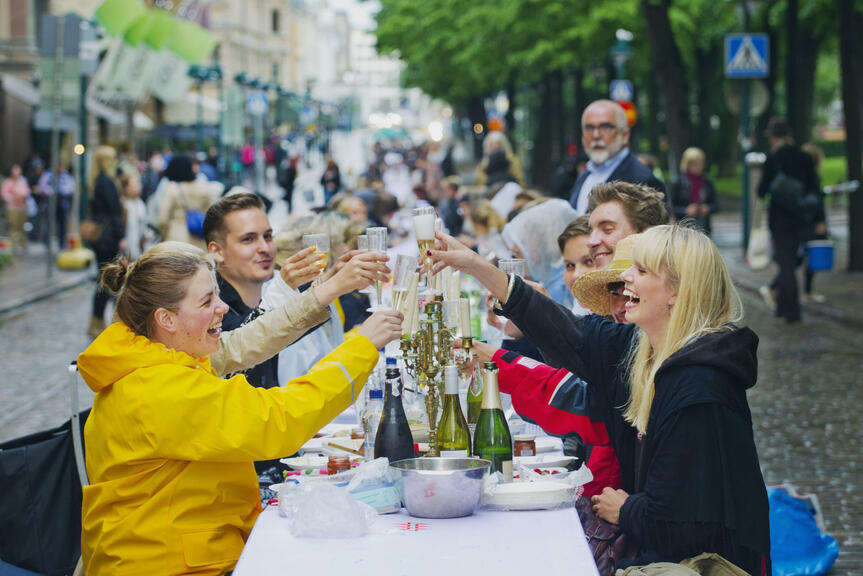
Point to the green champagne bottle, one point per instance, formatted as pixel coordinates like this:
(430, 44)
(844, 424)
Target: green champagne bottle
(453, 436)
(492, 441)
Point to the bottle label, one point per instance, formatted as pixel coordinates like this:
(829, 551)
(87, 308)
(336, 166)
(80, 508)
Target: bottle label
(459, 454)
(506, 470)
(395, 388)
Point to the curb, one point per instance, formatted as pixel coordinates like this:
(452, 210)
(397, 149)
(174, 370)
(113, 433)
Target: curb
(46, 292)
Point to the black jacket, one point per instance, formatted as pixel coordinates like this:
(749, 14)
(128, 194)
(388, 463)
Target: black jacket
(796, 164)
(694, 480)
(679, 196)
(630, 170)
(265, 374)
(108, 211)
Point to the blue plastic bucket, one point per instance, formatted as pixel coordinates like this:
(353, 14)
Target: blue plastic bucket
(820, 254)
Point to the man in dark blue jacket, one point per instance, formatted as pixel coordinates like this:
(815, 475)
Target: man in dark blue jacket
(605, 135)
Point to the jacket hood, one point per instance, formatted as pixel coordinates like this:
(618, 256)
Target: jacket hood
(117, 352)
(732, 351)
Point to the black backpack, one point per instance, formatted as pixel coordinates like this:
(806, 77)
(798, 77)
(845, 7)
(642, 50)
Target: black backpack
(789, 195)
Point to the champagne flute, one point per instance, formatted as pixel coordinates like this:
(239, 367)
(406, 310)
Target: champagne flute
(517, 266)
(321, 243)
(404, 266)
(363, 244)
(377, 243)
(424, 226)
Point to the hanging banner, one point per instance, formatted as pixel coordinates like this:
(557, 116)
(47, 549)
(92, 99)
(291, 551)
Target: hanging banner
(117, 15)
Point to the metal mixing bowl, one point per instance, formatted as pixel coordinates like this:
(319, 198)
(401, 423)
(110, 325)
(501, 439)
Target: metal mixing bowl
(441, 487)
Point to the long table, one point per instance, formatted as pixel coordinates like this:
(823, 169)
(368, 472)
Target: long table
(500, 543)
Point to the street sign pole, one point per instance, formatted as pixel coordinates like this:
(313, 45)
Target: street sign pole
(55, 145)
(746, 57)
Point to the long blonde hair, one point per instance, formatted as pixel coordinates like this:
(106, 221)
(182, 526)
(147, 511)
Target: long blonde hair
(104, 160)
(706, 302)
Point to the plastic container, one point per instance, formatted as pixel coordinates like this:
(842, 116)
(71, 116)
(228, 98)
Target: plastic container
(820, 254)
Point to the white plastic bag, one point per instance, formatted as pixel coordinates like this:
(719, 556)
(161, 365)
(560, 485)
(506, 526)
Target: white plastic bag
(325, 511)
(376, 484)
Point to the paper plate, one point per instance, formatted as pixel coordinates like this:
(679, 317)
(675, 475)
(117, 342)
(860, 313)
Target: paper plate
(305, 462)
(543, 461)
(548, 444)
(530, 496)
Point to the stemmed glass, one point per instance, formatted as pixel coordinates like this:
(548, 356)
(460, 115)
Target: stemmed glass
(377, 243)
(363, 244)
(404, 266)
(321, 242)
(424, 225)
(517, 266)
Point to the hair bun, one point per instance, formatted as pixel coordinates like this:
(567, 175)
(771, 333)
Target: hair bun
(114, 273)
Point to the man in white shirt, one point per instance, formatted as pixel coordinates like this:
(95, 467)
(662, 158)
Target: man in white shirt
(605, 136)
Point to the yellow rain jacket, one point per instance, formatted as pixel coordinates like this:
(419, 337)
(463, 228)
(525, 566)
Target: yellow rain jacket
(170, 446)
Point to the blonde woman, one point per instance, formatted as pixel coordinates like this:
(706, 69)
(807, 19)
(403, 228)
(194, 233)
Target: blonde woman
(671, 390)
(107, 210)
(497, 141)
(692, 194)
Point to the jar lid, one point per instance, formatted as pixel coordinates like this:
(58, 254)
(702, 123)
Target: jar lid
(523, 438)
(339, 458)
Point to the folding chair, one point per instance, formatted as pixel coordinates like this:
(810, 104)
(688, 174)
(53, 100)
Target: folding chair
(40, 505)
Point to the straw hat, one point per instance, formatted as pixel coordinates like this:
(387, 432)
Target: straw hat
(591, 290)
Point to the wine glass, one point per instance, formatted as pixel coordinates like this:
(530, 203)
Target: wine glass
(424, 226)
(377, 243)
(321, 242)
(404, 266)
(363, 244)
(517, 266)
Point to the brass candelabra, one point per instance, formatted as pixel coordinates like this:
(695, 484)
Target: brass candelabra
(425, 353)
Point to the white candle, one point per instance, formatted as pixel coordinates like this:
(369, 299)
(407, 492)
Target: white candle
(464, 317)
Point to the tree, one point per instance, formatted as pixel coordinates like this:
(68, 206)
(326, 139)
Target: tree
(851, 56)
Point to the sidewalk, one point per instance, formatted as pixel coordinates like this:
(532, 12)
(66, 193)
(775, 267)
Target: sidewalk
(841, 288)
(26, 280)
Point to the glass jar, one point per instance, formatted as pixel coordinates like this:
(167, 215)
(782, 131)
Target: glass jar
(524, 445)
(357, 434)
(338, 464)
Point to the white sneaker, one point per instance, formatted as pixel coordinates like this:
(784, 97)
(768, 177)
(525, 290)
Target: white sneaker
(814, 297)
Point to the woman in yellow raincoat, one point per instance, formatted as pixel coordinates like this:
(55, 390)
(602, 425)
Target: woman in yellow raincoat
(169, 444)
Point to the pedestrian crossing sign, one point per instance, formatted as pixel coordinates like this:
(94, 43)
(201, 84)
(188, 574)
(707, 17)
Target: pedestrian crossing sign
(747, 56)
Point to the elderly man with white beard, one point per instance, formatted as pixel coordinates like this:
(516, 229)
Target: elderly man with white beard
(605, 136)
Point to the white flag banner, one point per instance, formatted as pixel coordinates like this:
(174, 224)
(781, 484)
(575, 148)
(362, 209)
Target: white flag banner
(171, 81)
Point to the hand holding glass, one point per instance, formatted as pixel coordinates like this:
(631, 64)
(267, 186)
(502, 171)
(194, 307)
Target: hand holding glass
(321, 243)
(377, 243)
(424, 225)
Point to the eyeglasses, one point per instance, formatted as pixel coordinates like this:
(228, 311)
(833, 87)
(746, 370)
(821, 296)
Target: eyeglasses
(604, 129)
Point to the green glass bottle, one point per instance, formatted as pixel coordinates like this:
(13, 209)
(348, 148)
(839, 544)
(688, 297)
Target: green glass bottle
(492, 440)
(453, 436)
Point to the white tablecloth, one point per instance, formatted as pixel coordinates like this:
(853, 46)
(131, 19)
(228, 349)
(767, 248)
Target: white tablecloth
(499, 543)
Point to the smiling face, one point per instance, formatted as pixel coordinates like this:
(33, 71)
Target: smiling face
(602, 132)
(608, 224)
(246, 254)
(196, 326)
(650, 301)
(576, 259)
(617, 302)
